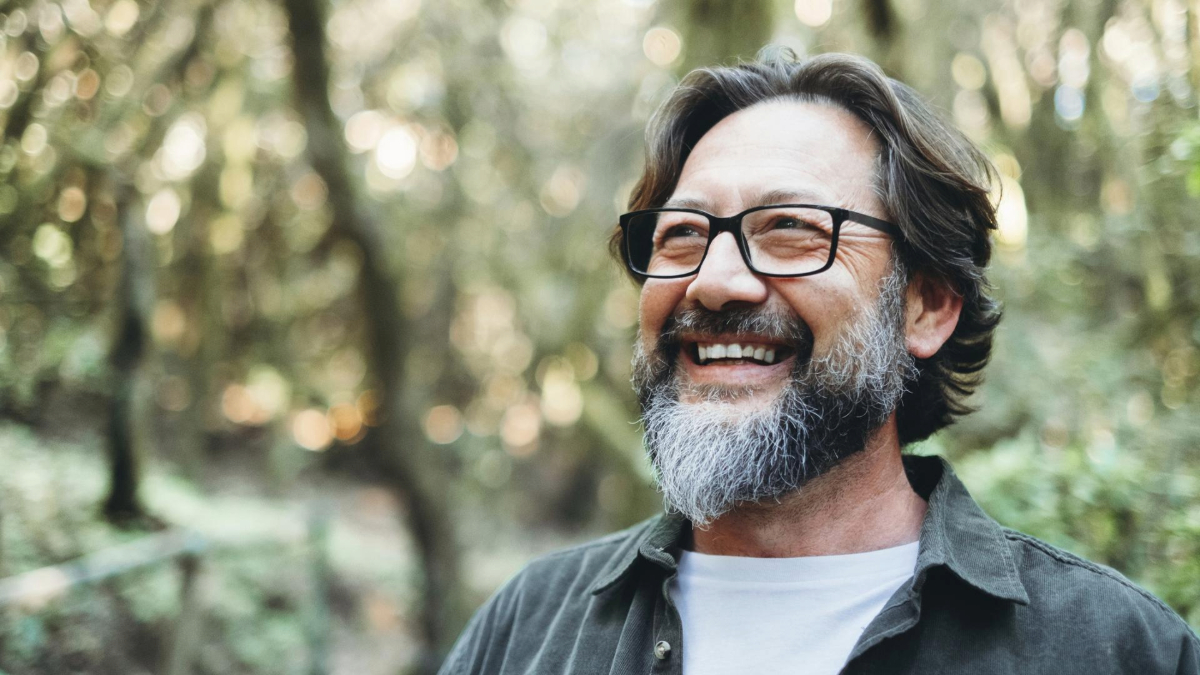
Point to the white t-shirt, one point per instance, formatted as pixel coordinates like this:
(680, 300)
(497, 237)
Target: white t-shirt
(782, 615)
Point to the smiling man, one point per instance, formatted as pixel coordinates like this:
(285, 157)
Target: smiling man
(810, 241)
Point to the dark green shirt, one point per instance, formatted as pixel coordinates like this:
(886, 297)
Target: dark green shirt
(983, 599)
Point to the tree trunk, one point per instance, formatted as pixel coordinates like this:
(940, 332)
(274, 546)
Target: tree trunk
(135, 298)
(396, 449)
(135, 295)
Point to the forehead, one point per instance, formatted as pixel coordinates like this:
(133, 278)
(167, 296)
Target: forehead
(812, 152)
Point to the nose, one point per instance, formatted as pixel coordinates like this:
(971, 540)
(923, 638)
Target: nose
(724, 281)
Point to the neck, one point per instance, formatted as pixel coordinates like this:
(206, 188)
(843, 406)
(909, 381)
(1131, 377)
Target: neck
(865, 503)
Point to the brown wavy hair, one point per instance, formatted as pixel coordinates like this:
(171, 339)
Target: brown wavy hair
(933, 181)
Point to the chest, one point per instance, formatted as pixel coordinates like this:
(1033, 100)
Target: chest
(639, 630)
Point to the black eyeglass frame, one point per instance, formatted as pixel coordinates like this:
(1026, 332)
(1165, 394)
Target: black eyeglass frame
(733, 225)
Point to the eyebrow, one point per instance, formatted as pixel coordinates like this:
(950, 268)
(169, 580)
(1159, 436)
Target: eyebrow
(764, 198)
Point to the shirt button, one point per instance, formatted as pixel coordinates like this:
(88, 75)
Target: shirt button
(662, 649)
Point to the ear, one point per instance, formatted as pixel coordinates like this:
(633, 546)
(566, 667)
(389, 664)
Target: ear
(932, 310)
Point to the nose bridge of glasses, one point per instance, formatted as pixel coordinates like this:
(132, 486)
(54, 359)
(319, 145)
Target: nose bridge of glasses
(719, 225)
(724, 249)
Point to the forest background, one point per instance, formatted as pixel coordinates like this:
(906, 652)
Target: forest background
(309, 338)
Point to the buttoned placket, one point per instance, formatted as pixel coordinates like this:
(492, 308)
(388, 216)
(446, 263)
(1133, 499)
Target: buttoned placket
(667, 640)
(898, 616)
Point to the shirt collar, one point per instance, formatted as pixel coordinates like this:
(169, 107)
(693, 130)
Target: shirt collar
(658, 543)
(956, 534)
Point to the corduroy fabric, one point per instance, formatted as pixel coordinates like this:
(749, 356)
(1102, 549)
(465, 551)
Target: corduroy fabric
(983, 599)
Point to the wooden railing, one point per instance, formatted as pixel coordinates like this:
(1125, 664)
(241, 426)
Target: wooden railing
(34, 589)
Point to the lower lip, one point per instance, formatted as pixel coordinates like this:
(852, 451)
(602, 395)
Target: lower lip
(734, 373)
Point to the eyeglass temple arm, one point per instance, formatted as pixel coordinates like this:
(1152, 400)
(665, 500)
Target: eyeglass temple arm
(873, 223)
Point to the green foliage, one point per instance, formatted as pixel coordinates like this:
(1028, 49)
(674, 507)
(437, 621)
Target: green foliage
(1186, 150)
(1102, 502)
(254, 600)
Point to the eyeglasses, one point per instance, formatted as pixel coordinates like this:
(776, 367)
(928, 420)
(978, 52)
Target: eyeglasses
(780, 240)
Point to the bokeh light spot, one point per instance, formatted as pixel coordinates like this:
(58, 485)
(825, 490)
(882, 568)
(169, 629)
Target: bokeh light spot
(310, 429)
(562, 401)
(121, 17)
(438, 150)
(87, 84)
(119, 81)
(168, 322)
(662, 45)
(443, 424)
(520, 429)
(72, 203)
(163, 211)
(562, 192)
(396, 154)
(309, 192)
(33, 141)
(346, 422)
(26, 66)
(1069, 103)
(183, 147)
(524, 39)
(52, 245)
(364, 129)
(968, 71)
(1012, 217)
(226, 234)
(814, 13)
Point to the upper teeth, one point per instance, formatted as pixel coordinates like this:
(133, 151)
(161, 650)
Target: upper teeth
(736, 351)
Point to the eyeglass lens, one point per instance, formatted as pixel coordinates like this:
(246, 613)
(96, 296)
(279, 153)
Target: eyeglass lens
(784, 240)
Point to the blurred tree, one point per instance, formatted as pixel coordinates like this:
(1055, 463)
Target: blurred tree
(135, 303)
(397, 450)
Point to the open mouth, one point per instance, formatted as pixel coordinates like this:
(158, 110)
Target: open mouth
(749, 352)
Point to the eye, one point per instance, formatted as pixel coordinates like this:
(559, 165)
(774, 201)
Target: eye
(792, 223)
(678, 231)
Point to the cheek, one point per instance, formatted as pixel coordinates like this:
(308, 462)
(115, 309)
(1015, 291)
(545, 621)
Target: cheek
(825, 305)
(659, 299)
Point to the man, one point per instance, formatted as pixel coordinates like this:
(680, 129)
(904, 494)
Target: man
(811, 241)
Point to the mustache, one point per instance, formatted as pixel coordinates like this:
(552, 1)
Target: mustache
(771, 325)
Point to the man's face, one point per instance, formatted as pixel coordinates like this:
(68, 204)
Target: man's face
(727, 431)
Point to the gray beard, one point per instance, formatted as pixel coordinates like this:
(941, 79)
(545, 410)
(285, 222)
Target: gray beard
(711, 455)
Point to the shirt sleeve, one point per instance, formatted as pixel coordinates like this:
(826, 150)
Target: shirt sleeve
(480, 648)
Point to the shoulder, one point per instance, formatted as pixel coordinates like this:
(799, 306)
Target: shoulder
(575, 569)
(551, 591)
(1099, 605)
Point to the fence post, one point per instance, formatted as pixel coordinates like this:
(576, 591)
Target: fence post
(319, 567)
(187, 628)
